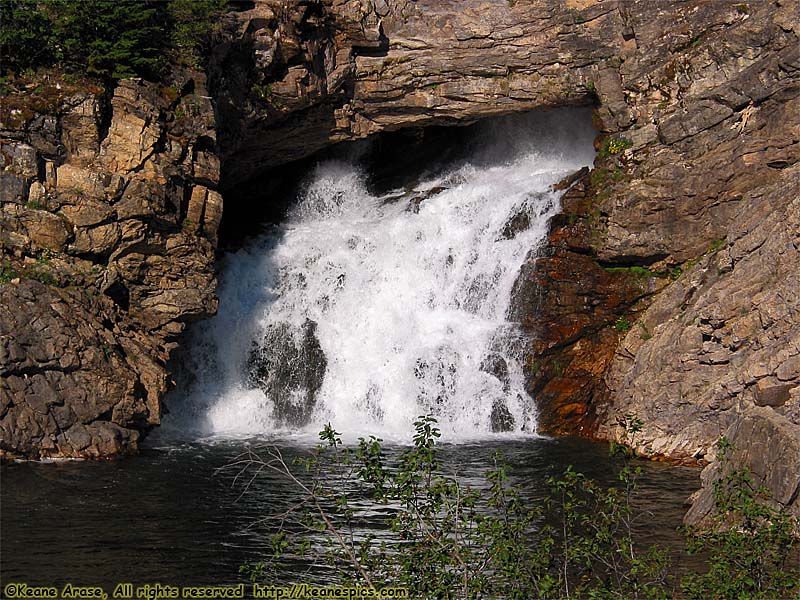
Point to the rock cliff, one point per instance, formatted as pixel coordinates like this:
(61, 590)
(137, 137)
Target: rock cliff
(108, 223)
(669, 286)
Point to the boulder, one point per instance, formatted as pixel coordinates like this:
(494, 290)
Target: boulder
(765, 443)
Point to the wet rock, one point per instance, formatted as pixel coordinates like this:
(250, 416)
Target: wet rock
(515, 225)
(496, 365)
(436, 376)
(570, 180)
(289, 366)
(502, 420)
(418, 198)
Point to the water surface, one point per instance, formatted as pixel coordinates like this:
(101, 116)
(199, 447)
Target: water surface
(170, 516)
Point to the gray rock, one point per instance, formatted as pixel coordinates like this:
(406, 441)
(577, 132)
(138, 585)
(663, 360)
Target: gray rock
(62, 374)
(289, 365)
(82, 373)
(768, 445)
(501, 418)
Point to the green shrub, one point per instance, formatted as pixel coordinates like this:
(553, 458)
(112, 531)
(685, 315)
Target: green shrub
(45, 256)
(7, 273)
(449, 540)
(264, 92)
(634, 270)
(446, 540)
(622, 325)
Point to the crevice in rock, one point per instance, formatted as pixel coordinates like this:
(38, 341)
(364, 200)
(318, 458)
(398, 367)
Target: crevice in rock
(119, 294)
(631, 261)
(39, 369)
(241, 5)
(106, 114)
(379, 50)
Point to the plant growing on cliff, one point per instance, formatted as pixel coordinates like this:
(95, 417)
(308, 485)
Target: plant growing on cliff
(622, 325)
(750, 544)
(7, 273)
(612, 146)
(193, 21)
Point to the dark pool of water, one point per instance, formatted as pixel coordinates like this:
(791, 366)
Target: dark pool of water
(169, 516)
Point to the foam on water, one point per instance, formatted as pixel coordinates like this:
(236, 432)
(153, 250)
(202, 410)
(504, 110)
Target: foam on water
(410, 293)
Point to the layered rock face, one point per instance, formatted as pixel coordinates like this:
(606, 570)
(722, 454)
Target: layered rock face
(108, 221)
(669, 287)
(292, 78)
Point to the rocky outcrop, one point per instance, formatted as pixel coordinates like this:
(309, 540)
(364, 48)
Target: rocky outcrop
(289, 366)
(108, 221)
(294, 78)
(575, 312)
(698, 221)
(759, 432)
(725, 334)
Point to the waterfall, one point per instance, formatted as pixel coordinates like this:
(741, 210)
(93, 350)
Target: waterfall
(367, 310)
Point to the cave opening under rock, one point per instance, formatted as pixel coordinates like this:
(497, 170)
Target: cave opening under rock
(390, 160)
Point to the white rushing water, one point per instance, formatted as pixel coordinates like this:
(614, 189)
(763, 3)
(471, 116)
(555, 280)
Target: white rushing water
(368, 311)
